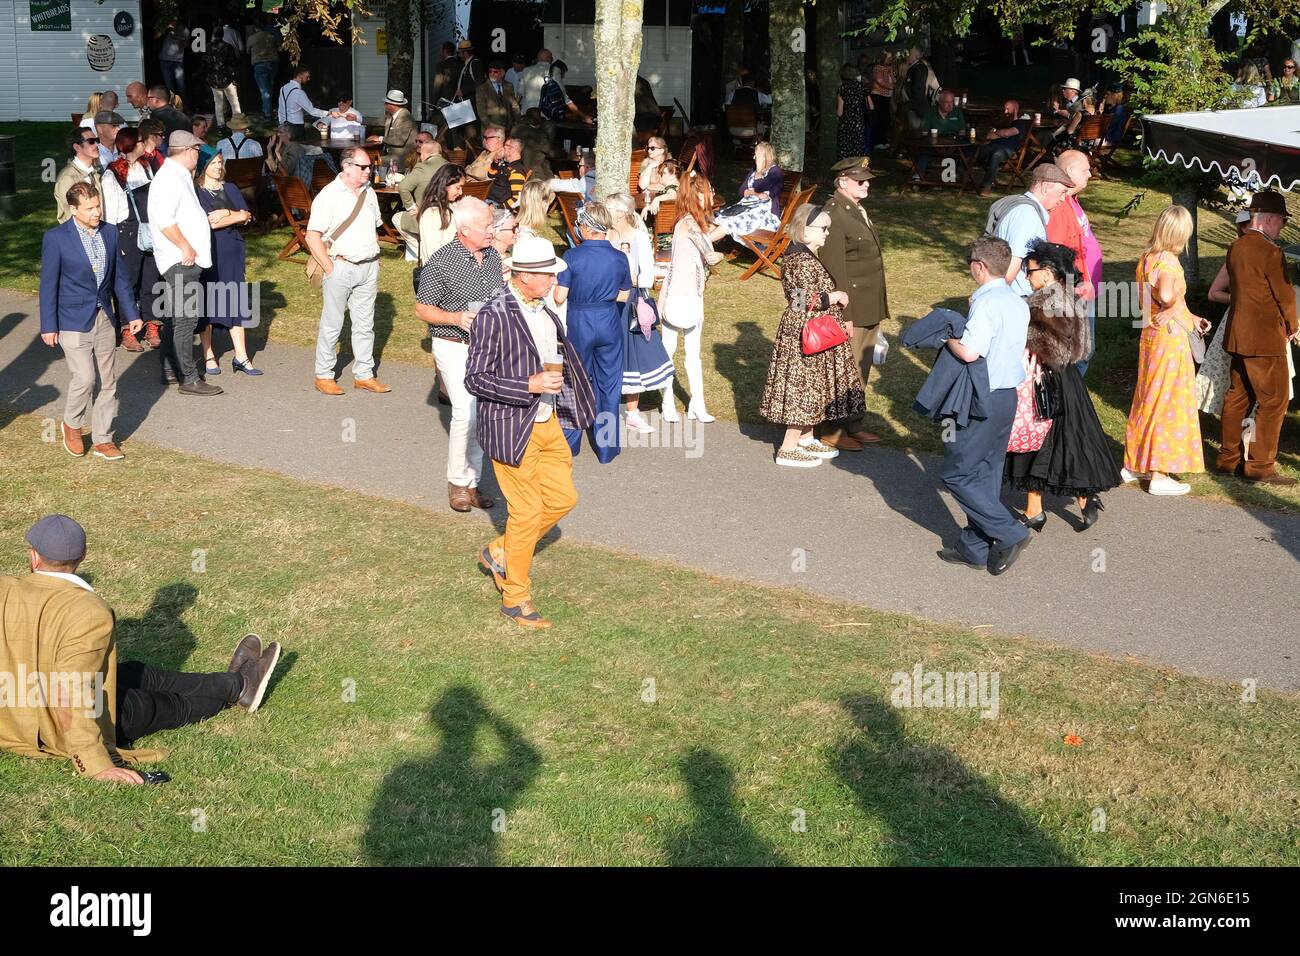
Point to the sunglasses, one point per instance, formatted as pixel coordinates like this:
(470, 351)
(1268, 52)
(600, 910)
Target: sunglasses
(359, 165)
(648, 148)
(89, 140)
(1289, 66)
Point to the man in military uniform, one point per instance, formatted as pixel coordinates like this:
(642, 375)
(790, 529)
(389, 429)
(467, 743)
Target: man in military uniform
(853, 258)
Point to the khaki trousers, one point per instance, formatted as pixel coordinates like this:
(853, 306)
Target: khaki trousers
(89, 353)
(863, 343)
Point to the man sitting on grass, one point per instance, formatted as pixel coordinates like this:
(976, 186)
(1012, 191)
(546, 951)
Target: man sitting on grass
(62, 691)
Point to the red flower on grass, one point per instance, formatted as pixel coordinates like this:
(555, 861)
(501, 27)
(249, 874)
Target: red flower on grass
(1073, 740)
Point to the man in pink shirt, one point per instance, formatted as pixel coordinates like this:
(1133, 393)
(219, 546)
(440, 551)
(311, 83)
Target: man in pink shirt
(1068, 224)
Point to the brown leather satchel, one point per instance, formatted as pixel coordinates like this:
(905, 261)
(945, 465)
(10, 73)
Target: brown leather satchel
(315, 274)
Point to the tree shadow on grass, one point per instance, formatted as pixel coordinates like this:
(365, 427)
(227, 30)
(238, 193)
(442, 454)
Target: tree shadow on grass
(446, 809)
(159, 637)
(718, 835)
(20, 393)
(744, 364)
(938, 811)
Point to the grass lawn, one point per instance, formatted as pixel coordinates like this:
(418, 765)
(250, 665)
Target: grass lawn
(670, 717)
(924, 236)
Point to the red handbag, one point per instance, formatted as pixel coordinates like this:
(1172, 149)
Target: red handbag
(822, 332)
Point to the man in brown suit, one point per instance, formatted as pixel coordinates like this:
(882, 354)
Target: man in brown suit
(495, 101)
(1261, 327)
(853, 258)
(62, 691)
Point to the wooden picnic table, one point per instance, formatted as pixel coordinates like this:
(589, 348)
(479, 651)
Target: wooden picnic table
(959, 148)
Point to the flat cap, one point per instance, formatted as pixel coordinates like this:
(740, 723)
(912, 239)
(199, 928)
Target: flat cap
(183, 140)
(855, 167)
(109, 118)
(1051, 173)
(58, 538)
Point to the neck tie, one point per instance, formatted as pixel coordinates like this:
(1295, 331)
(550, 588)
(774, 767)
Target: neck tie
(498, 88)
(98, 167)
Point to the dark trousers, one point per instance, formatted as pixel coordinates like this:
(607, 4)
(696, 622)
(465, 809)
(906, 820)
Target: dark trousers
(150, 699)
(264, 77)
(1255, 378)
(141, 270)
(173, 72)
(993, 155)
(597, 336)
(972, 472)
(181, 314)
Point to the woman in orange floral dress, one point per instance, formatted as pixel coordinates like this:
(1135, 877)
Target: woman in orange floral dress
(1164, 433)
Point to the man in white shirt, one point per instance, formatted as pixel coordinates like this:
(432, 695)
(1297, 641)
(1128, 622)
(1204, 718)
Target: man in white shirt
(346, 121)
(341, 236)
(182, 249)
(295, 105)
(513, 75)
(531, 81)
(239, 145)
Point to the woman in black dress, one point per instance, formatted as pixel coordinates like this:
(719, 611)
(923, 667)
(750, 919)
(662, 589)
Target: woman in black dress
(851, 108)
(1075, 459)
(228, 297)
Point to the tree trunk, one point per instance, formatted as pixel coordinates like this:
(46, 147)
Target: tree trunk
(401, 49)
(618, 58)
(829, 51)
(787, 43)
(1191, 256)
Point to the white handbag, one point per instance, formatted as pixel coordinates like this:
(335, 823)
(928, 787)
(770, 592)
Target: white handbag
(458, 114)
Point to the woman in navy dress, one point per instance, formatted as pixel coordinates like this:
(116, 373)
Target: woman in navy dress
(228, 299)
(595, 285)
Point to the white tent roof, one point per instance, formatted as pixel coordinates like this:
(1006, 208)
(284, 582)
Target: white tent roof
(1260, 146)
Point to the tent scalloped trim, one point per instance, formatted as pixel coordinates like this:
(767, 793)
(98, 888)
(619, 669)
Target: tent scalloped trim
(1214, 167)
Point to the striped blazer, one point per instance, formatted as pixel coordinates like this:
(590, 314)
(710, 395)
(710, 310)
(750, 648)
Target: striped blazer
(502, 357)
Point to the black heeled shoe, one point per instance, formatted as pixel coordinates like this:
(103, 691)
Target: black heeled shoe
(1092, 509)
(1036, 523)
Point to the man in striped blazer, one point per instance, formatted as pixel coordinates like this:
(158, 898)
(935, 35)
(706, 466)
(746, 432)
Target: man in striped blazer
(530, 386)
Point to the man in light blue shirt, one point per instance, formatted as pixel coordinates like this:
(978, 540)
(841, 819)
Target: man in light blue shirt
(974, 458)
(1026, 223)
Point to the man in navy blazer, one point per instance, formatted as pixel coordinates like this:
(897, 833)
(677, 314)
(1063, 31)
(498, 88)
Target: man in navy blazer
(530, 385)
(79, 277)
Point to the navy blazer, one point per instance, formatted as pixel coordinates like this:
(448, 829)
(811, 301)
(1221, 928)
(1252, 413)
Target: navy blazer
(502, 357)
(954, 389)
(70, 299)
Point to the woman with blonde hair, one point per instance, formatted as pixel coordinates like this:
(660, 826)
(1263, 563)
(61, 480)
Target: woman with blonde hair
(92, 106)
(1163, 436)
(681, 302)
(535, 200)
(760, 203)
(802, 391)
(656, 153)
(646, 365)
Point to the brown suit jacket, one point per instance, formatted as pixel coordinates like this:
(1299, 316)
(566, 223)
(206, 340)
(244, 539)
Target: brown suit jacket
(1263, 314)
(496, 110)
(51, 626)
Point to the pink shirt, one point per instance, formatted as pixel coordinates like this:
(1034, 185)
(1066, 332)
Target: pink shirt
(1091, 247)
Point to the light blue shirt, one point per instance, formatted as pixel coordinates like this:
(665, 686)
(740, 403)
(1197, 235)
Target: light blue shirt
(1020, 228)
(996, 328)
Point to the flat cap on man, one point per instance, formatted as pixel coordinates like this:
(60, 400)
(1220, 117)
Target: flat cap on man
(58, 538)
(855, 167)
(109, 118)
(183, 140)
(1268, 201)
(1051, 173)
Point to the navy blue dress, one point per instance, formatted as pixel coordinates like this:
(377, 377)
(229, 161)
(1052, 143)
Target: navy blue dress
(230, 303)
(596, 274)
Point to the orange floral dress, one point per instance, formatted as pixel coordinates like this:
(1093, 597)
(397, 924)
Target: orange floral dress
(1164, 432)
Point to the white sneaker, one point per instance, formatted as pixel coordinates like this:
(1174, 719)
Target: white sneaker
(796, 458)
(699, 414)
(1129, 477)
(818, 449)
(639, 424)
(1165, 485)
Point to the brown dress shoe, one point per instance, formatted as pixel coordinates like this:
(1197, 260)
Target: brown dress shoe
(248, 649)
(1275, 479)
(866, 437)
(479, 501)
(525, 614)
(153, 335)
(73, 443)
(371, 385)
(842, 442)
(130, 342)
(108, 451)
(458, 497)
(494, 564)
(327, 386)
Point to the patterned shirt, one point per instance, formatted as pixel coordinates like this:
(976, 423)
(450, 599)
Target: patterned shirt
(542, 328)
(452, 278)
(93, 243)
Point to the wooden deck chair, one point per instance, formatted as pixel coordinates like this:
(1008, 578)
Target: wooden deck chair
(767, 246)
(478, 188)
(569, 213)
(1090, 134)
(293, 196)
(742, 125)
(76, 118)
(1031, 153)
(1105, 151)
(321, 176)
(244, 173)
(634, 171)
(665, 220)
(791, 181)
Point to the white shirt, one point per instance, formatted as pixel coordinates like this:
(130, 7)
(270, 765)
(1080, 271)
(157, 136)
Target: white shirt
(513, 76)
(531, 81)
(106, 155)
(68, 577)
(332, 205)
(173, 202)
(294, 103)
(349, 124)
(545, 340)
(117, 207)
(246, 147)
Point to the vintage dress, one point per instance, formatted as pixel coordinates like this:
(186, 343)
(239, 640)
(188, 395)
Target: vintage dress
(232, 306)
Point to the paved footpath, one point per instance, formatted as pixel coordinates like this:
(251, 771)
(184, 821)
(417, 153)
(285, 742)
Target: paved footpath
(1206, 588)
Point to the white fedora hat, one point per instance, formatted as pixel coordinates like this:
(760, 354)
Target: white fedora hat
(535, 254)
(1072, 84)
(396, 97)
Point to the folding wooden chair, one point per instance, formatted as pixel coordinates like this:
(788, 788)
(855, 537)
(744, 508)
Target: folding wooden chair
(244, 173)
(791, 180)
(742, 125)
(321, 176)
(295, 202)
(1031, 153)
(1089, 136)
(476, 188)
(76, 118)
(569, 213)
(767, 245)
(1105, 151)
(634, 171)
(665, 220)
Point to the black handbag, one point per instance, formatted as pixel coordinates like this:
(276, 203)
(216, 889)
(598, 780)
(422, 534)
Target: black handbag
(1045, 404)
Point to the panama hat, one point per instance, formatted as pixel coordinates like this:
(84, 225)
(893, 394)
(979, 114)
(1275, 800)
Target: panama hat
(396, 97)
(535, 254)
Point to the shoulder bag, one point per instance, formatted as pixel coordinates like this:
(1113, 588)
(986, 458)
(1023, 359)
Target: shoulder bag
(315, 274)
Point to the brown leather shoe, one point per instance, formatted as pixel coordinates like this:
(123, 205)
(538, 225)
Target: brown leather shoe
(842, 442)
(108, 451)
(371, 385)
(866, 437)
(327, 386)
(257, 676)
(495, 565)
(479, 501)
(458, 497)
(130, 342)
(526, 615)
(1275, 479)
(153, 335)
(248, 649)
(73, 443)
